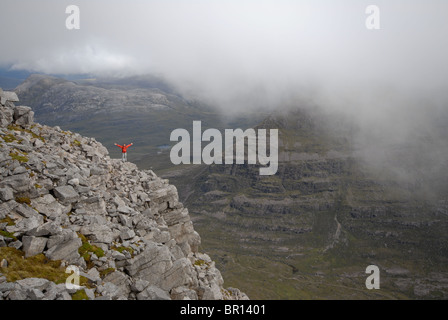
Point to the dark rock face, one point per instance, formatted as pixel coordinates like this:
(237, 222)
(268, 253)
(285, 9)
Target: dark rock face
(61, 193)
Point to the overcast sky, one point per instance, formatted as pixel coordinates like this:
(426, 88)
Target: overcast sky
(237, 53)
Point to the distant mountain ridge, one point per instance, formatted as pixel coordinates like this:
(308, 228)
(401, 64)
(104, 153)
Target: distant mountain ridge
(59, 98)
(123, 111)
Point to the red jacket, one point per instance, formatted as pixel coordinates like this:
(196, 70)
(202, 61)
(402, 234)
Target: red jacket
(124, 148)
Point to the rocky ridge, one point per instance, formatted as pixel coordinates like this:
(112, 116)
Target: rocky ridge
(62, 198)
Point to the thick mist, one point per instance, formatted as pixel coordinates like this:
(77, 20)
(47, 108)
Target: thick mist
(263, 55)
(241, 54)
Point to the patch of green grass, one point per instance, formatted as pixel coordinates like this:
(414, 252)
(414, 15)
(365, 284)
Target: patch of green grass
(7, 235)
(9, 221)
(106, 272)
(121, 249)
(26, 200)
(16, 156)
(86, 248)
(8, 138)
(76, 143)
(17, 128)
(37, 266)
(80, 295)
(200, 262)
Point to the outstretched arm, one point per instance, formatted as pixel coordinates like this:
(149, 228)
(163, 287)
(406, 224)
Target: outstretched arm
(118, 145)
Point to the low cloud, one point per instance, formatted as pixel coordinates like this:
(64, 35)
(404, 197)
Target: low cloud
(238, 55)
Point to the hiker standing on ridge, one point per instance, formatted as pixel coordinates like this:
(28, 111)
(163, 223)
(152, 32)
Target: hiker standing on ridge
(124, 148)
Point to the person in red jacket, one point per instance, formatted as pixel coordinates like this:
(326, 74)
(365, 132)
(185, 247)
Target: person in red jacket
(124, 148)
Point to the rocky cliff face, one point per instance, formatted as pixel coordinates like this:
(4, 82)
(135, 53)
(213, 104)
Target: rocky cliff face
(64, 201)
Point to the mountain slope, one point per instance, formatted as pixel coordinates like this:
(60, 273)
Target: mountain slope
(64, 201)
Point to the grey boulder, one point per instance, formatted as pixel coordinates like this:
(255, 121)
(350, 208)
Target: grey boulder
(33, 245)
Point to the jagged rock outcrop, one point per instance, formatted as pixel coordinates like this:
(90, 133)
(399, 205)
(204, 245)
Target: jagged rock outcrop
(63, 197)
